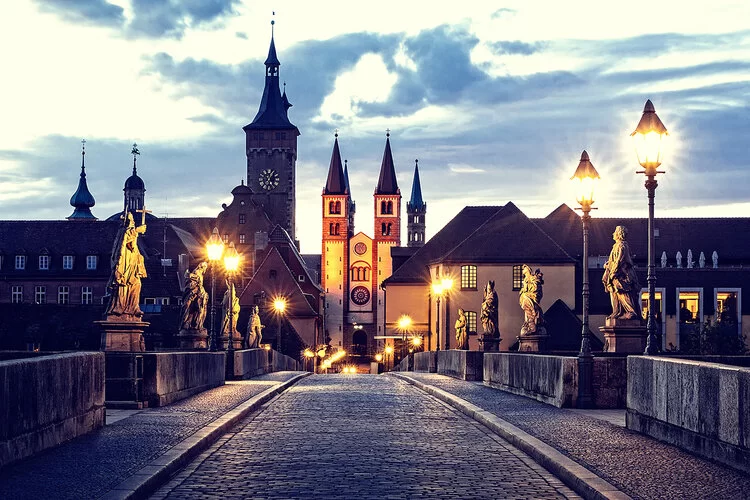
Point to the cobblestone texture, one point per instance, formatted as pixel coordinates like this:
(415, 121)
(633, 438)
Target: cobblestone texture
(639, 465)
(91, 465)
(361, 436)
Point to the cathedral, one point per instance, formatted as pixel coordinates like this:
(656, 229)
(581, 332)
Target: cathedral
(353, 264)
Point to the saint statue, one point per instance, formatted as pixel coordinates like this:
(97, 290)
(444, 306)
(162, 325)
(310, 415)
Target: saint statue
(230, 305)
(620, 280)
(489, 310)
(664, 259)
(254, 333)
(194, 300)
(678, 258)
(462, 339)
(690, 261)
(715, 259)
(702, 260)
(530, 298)
(128, 268)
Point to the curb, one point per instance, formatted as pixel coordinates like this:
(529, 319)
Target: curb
(575, 476)
(147, 479)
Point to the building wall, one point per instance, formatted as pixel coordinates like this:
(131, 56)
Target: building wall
(409, 300)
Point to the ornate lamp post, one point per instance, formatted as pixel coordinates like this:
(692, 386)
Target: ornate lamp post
(447, 285)
(310, 356)
(404, 323)
(388, 352)
(214, 248)
(585, 179)
(437, 291)
(231, 264)
(648, 138)
(279, 305)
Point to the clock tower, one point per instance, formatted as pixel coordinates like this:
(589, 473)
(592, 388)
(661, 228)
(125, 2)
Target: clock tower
(271, 148)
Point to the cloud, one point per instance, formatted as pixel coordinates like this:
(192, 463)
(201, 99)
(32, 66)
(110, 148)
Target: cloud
(516, 47)
(98, 12)
(465, 169)
(504, 12)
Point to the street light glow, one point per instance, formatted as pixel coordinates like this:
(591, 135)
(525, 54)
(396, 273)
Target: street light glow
(585, 180)
(389, 349)
(447, 284)
(215, 246)
(437, 288)
(378, 357)
(308, 353)
(231, 259)
(279, 304)
(416, 341)
(647, 138)
(404, 322)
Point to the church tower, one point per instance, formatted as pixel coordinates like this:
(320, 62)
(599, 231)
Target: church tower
(387, 199)
(135, 189)
(271, 148)
(416, 210)
(82, 200)
(335, 251)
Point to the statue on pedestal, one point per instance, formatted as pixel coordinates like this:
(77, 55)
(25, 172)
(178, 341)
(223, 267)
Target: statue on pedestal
(254, 334)
(194, 300)
(530, 298)
(128, 268)
(620, 280)
(489, 311)
(230, 305)
(462, 339)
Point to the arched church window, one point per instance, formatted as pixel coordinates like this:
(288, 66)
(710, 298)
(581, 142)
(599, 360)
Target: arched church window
(331, 207)
(382, 229)
(388, 230)
(330, 229)
(338, 207)
(383, 207)
(390, 207)
(337, 229)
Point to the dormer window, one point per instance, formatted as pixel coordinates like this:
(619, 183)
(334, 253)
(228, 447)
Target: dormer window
(20, 262)
(67, 262)
(91, 261)
(44, 262)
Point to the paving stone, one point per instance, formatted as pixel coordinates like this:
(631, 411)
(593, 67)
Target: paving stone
(361, 436)
(639, 465)
(91, 465)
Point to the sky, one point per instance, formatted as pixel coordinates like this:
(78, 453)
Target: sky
(496, 100)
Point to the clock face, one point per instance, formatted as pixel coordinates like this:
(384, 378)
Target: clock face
(268, 179)
(360, 295)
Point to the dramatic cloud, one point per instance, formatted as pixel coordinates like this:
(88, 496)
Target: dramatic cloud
(98, 12)
(516, 47)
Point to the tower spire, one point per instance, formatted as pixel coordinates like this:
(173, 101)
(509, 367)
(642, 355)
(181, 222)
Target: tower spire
(387, 183)
(416, 210)
(82, 200)
(336, 183)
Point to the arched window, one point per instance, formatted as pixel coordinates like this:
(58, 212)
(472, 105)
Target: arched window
(331, 207)
(383, 207)
(337, 229)
(360, 271)
(388, 230)
(338, 207)
(382, 229)
(330, 229)
(390, 207)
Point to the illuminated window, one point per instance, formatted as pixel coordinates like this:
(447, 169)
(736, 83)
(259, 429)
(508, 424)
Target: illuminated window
(243, 218)
(471, 322)
(468, 277)
(728, 306)
(242, 238)
(517, 278)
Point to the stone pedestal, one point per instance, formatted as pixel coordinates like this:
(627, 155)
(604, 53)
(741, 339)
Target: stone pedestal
(625, 336)
(125, 336)
(236, 341)
(533, 342)
(193, 339)
(489, 343)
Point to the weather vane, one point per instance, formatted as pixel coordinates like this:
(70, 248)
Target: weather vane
(387, 132)
(336, 132)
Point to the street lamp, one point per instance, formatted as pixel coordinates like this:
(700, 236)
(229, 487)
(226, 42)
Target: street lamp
(279, 305)
(447, 285)
(231, 264)
(437, 291)
(648, 137)
(214, 248)
(310, 355)
(388, 352)
(404, 323)
(585, 179)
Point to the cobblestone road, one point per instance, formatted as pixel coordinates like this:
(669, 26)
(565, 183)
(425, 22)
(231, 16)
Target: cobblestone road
(639, 465)
(361, 436)
(89, 466)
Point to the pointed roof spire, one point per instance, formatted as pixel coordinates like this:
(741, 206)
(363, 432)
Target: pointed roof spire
(135, 182)
(416, 202)
(346, 176)
(272, 60)
(336, 183)
(387, 183)
(285, 99)
(82, 200)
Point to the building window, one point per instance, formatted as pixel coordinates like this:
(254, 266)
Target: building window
(91, 262)
(242, 237)
(63, 295)
(728, 309)
(16, 294)
(468, 277)
(44, 262)
(226, 238)
(660, 293)
(20, 262)
(87, 295)
(272, 274)
(243, 218)
(471, 322)
(67, 262)
(517, 278)
(40, 294)
(689, 313)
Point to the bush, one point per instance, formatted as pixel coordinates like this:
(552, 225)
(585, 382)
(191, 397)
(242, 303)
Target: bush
(715, 338)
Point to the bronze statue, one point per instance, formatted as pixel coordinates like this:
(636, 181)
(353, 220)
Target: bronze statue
(489, 310)
(620, 280)
(128, 268)
(462, 339)
(194, 300)
(530, 298)
(254, 334)
(230, 305)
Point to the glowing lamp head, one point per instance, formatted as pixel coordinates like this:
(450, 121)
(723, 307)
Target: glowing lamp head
(231, 259)
(647, 137)
(378, 357)
(279, 305)
(447, 284)
(404, 322)
(416, 341)
(585, 180)
(437, 288)
(389, 349)
(215, 246)
(308, 353)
